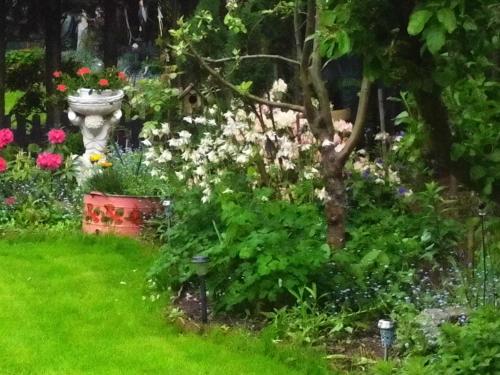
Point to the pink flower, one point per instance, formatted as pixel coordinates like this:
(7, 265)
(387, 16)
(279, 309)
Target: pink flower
(82, 71)
(10, 201)
(49, 161)
(3, 165)
(57, 74)
(6, 137)
(56, 136)
(103, 82)
(61, 88)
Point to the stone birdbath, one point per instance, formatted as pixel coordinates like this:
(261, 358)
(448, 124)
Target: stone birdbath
(96, 113)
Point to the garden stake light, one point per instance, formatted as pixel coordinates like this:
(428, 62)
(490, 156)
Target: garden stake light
(200, 263)
(386, 335)
(482, 214)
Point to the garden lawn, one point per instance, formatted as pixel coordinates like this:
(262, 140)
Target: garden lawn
(74, 305)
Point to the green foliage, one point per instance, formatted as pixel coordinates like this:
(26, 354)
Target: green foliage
(127, 175)
(24, 67)
(306, 322)
(473, 349)
(391, 240)
(39, 197)
(259, 247)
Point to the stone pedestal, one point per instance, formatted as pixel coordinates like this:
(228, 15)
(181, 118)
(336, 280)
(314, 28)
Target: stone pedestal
(95, 113)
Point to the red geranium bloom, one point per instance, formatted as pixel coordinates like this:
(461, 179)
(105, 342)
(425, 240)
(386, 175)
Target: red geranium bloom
(61, 88)
(56, 136)
(6, 137)
(103, 82)
(10, 201)
(49, 161)
(3, 165)
(82, 71)
(122, 76)
(57, 74)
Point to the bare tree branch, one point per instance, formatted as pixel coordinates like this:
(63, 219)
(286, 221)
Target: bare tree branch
(249, 57)
(318, 82)
(359, 124)
(234, 88)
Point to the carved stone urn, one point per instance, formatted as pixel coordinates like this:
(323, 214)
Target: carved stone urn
(95, 113)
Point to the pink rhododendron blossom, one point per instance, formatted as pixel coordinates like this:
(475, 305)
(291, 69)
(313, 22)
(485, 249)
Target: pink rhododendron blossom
(10, 201)
(3, 165)
(6, 137)
(49, 161)
(56, 136)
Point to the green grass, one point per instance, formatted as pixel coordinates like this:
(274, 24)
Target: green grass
(11, 98)
(74, 305)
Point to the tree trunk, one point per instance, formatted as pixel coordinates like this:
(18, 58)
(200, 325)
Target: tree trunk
(336, 198)
(110, 26)
(52, 56)
(435, 115)
(2, 61)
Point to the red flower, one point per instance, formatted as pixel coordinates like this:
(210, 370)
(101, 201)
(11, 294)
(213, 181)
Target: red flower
(122, 76)
(61, 88)
(3, 165)
(56, 136)
(103, 82)
(82, 71)
(6, 137)
(49, 161)
(10, 201)
(57, 74)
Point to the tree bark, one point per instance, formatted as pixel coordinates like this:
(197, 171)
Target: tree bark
(2, 61)
(435, 115)
(52, 55)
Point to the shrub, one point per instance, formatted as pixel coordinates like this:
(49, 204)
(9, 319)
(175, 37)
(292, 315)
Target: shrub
(259, 247)
(24, 67)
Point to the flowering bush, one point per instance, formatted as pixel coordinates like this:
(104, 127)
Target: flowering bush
(37, 190)
(109, 79)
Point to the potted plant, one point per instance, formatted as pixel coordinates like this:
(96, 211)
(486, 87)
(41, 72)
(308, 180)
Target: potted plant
(120, 196)
(94, 100)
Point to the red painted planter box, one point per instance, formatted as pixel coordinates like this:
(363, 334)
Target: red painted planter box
(118, 214)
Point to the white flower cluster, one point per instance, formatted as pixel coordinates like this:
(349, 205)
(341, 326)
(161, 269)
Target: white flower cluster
(273, 145)
(231, 5)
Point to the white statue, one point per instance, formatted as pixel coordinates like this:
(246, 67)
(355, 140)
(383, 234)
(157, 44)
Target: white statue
(82, 30)
(96, 114)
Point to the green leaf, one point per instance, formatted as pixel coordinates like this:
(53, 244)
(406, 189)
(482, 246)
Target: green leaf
(447, 17)
(418, 20)
(495, 156)
(477, 172)
(435, 39)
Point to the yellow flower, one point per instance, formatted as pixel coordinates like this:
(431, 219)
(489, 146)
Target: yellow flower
(94, 158)
(105, 164)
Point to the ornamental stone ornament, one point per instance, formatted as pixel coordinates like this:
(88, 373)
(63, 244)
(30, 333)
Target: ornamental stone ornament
(95, 113)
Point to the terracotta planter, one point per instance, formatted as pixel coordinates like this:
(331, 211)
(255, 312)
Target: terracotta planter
(118, 214)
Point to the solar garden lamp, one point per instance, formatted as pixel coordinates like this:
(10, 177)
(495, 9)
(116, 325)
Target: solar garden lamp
(168, 208)
(200, 263)
(386, 328)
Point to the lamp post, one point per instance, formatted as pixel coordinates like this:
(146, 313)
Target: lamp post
(200, 263)
(386, 328)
